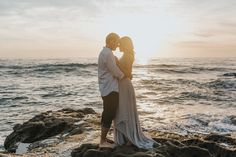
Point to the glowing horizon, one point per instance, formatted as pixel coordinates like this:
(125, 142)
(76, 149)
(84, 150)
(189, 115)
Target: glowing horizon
(77, 28)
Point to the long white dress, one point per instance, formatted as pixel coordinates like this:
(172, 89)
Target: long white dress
(126, 123)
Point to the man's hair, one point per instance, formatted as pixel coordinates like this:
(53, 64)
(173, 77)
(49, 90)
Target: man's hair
(111, 37)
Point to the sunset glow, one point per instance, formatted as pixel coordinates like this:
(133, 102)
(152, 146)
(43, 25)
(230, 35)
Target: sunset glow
(62, 29)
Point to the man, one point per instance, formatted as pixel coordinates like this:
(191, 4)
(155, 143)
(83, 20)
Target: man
(108, 75)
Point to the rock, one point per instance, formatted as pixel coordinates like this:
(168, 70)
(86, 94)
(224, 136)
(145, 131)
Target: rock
(58, 127)
(3, 155)
(213, 147)
(220, 139)
(181, 146)
(46, 125)
(87, 111)
(92, 150)
(230, 74)
(76, 131)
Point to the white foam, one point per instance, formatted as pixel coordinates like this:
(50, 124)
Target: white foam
(22, 148)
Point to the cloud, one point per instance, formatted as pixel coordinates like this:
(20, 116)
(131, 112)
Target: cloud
(204, 34)
(45, 20)
(206, 45)
(204, 49)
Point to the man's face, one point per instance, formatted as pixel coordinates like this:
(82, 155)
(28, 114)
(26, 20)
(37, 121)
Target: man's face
(115, 44)
(121, 48)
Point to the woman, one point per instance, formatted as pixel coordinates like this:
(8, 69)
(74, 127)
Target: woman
(127, 129)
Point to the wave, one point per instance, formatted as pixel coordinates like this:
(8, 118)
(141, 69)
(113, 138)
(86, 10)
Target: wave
(157, 66)
(183, 69)
(193, 95)
(6, 100)
(203, 96)
(56, 94)
(68, 67)
(216, 84)
(225, 84)
(178, 71)
(205, 123)
(208, 69)
(46, 66)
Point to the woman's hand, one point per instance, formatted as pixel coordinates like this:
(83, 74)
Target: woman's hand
(131, 76)
(117, 60)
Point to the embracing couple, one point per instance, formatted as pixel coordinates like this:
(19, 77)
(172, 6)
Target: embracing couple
(117, 91)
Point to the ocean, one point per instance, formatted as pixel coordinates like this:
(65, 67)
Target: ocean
(181, 95)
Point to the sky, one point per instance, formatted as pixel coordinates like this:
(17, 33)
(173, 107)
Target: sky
(77, 28)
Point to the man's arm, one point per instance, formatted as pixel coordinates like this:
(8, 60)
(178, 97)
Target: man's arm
(113, 68)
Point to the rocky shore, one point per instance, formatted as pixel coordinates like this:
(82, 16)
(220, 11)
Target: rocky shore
(69, 132)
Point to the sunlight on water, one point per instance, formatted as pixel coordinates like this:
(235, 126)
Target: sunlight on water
(144, 60)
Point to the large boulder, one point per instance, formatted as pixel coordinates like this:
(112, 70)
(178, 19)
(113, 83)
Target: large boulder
(46, 125)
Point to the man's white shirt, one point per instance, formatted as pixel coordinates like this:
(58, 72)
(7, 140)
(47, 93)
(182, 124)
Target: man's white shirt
(108, 72)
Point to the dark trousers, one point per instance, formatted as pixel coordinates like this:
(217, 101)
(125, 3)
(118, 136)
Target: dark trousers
(110, 105)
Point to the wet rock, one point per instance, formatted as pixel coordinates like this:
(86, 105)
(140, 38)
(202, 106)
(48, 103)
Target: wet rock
(230, 74)
(46, 125)
(220, 139)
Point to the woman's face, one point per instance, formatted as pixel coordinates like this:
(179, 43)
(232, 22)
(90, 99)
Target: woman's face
(126, 45)
(121, 47)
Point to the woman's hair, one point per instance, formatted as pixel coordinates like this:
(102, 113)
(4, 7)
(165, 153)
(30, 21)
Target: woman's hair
(127, 45)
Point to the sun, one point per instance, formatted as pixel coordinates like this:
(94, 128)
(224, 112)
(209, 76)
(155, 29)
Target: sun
(150, 32)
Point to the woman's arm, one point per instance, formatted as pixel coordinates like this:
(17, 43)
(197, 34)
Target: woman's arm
(127, 70)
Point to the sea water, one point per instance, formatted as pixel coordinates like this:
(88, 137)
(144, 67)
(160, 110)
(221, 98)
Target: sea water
(181, 95)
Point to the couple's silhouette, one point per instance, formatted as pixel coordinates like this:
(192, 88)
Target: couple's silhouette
(118, 95)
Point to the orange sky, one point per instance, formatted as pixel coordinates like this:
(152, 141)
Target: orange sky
(77, 28)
